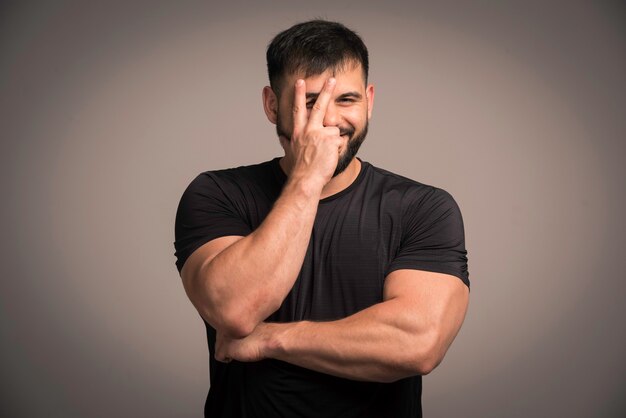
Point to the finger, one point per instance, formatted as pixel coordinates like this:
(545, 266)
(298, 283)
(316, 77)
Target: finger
(299, 106)
(334, 133)
(222, 358)
(221, 354)
(220, 349)
(321, 104)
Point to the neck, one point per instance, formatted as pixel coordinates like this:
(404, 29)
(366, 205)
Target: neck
(343, 180)
(337, 183)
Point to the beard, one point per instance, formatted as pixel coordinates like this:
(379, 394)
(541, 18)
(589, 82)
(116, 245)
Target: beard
(352, 146)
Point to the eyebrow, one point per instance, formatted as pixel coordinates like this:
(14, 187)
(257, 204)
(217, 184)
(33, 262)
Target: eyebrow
(351, 94)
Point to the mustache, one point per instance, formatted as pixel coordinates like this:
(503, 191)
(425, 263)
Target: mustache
(342, 131)
(346, 131)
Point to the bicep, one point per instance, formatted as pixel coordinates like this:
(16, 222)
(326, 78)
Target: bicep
(434, 303)
(194, 265)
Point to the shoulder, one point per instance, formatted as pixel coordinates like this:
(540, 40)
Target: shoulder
(220, 203)
(409, 195)
(232, 181)
(246, 173)
(226, 190)
(432, 232)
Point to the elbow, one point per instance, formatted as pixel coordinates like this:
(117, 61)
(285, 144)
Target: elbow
(240, 320)
(226, 315)
(235, 326)
(408, 367)
(232, 327)
(414, 366)
(423, 361)
(235, 313)
(226, 319)
(426, 365)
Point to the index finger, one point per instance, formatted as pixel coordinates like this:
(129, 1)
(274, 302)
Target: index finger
(299, 106)
(321, 104)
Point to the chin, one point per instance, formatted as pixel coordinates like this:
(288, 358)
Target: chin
(343, 164)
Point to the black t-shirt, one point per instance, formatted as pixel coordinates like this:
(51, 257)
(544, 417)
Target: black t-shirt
(380, 223)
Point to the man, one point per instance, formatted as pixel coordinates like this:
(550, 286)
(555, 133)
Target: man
(328, 286)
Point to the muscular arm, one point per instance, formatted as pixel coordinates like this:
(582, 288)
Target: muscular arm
(406, 334)
(236, 282)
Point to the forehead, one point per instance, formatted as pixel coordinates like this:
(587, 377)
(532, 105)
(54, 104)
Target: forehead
(350, 77)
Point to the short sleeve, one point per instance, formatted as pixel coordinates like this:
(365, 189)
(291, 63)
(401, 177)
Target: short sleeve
(205, 212)
(433, 237)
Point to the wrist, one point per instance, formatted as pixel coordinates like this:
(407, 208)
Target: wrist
(309, 186)
(279, 337)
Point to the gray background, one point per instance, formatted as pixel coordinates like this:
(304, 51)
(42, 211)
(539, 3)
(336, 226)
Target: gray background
(108, 111)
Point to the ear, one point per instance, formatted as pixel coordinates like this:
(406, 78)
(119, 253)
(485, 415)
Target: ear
(369, 93)
(270, 104)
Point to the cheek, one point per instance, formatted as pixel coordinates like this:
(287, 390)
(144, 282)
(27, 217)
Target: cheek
(284, 111)
(284, 119)
(356, 117)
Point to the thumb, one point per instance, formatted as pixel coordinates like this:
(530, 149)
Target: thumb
(221, 349)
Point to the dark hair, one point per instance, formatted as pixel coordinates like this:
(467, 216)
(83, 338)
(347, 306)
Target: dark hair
(314, 47)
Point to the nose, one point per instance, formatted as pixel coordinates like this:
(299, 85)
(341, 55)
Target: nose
(331, 117)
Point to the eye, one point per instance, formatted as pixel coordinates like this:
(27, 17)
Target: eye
(310, 104)
(346, 100)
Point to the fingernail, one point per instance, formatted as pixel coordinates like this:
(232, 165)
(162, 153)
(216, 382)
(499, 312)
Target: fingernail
(331, 81)
(299, 82)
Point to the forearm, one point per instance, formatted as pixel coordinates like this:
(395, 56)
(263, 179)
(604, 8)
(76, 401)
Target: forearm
(405, 335)
(381, 343)
(248, 281)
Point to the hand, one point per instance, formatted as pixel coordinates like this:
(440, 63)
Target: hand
(313, 151)
(248, 349)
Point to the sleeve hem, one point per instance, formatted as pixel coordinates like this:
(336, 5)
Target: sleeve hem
(187, 252)
(434, 269)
